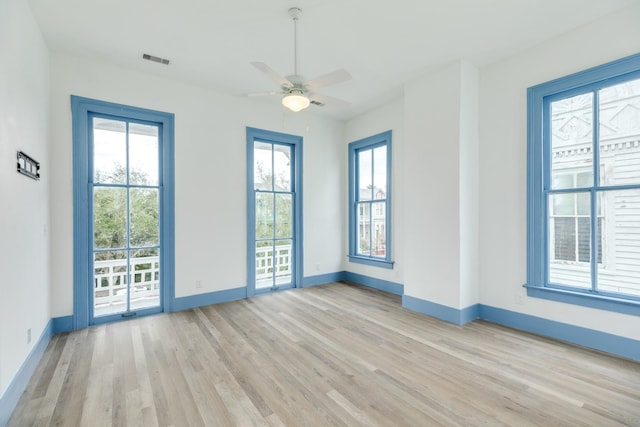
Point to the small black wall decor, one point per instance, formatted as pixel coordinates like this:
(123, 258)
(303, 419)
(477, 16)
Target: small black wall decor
(28, 166)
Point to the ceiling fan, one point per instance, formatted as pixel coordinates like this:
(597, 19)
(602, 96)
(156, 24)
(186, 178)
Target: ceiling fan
(298, 93)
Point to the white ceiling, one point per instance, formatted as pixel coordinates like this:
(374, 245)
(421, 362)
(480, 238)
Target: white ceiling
(382, 43)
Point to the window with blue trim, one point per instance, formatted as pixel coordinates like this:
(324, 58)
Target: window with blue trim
(123, 213)
(370, 200)
(584, 188)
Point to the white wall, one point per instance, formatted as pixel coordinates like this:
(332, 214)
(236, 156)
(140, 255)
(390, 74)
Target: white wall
(210, 166)
(440, 175)
(378, 120)
(24, 206)
(503, 164)
(432, 252)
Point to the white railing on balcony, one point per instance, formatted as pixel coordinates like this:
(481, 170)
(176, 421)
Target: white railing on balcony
(266, 263)
(110, 284)
(110, 279)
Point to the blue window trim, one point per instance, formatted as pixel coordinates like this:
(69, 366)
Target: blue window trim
(81, 109)
(296, 142)
(538, 173)
(380, 139)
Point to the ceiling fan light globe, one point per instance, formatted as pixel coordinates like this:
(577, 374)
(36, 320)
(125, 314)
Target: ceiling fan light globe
(295, 102)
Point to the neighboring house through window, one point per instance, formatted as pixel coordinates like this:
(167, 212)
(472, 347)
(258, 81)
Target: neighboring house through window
(570, 222)
(584, 188)
(370, 200)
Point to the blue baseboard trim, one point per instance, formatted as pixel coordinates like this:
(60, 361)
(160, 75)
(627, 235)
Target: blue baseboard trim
(442, 312)
(372, 282)
(199, 300)
(13, 393)
(584, 337)
(602, 341)
(322, 279)
(62, 324)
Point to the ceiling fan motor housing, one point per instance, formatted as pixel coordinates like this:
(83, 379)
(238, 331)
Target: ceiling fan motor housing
(295, 13)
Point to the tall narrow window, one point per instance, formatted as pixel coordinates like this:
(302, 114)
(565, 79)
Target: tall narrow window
(123, 211)
(126, 216)
(274, 199)
(370, 200)
(584, 187)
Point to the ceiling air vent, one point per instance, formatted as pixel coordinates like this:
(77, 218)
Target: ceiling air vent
(155, 59)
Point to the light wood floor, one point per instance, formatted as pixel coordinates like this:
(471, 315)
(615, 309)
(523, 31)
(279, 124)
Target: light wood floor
(331, 355)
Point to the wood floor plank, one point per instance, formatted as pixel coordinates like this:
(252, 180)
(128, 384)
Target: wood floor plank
(44, 372)
(143, 390)
(53, 390)
(67, 410)
(331, 355)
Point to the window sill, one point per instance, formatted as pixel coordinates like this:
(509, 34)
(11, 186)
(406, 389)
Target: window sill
(585, 299)
(372, 261)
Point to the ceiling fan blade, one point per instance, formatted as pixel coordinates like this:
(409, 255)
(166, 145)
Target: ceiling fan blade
(332, 78)
(272, 73)
(265, 93)
(321, 100)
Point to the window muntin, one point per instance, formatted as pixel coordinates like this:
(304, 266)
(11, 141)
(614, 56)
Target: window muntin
(369, 199)
(584, 186)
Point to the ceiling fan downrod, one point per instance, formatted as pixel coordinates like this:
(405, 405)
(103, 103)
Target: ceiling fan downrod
(294, 14)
